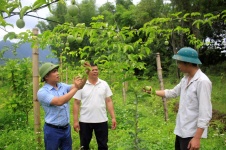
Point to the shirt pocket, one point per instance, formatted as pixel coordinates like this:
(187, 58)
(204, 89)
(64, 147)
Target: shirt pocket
(192, 100)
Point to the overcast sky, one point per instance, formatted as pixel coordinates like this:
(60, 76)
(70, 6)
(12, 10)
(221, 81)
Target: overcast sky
(30, 22)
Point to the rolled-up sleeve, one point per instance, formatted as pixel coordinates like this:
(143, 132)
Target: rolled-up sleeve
(78, 95)
(205, 107)
(172, 93)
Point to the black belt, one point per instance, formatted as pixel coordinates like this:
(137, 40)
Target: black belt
(57, 127)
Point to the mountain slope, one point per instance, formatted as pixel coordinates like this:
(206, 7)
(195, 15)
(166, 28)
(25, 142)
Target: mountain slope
(25, 51)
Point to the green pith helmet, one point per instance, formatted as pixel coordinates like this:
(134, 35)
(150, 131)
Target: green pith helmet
(187, 54)
(45, 69)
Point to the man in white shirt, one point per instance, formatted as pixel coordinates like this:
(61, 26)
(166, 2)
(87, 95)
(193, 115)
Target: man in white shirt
(94, 98)
(195, 108)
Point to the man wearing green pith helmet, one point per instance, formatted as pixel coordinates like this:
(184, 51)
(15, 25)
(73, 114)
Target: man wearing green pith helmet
(195, 108)
(54, 97)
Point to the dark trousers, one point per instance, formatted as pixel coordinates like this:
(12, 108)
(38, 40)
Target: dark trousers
(57, 138)
(182, 143)
(101, 133)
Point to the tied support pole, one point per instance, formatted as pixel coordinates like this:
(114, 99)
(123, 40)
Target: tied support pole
(35, 70)
(159, 70)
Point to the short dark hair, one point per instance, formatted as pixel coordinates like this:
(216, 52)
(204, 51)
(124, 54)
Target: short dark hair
(194, 65)
(92, 64)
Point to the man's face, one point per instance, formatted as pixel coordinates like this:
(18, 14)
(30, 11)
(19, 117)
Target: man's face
(53, 76)
(93, 73)
(182, 66)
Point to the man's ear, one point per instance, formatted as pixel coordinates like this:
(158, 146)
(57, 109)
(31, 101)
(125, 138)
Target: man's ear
(44, 78)
(87, 71)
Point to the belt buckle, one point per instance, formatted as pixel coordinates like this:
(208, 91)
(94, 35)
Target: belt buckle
(64, 127)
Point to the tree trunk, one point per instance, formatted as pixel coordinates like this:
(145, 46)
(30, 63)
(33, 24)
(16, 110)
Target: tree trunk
(174, 52)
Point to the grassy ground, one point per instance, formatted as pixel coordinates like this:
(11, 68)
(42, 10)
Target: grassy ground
(151, 131)
(141, 124)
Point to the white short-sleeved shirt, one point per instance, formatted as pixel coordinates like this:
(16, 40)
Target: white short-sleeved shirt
(93, 105)
(195, 108)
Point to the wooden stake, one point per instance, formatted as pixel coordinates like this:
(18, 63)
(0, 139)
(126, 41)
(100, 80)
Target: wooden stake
(35, 70)
(159, 70)
(61, 67)
(66, 75)
(124, 90)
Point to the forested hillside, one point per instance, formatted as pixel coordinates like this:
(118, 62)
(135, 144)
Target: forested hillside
(23, 51)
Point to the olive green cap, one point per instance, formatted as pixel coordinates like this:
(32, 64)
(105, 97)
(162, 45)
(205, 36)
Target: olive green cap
(187, 54)
(45, 69)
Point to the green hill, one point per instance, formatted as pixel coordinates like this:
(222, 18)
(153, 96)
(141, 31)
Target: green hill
(24, 51)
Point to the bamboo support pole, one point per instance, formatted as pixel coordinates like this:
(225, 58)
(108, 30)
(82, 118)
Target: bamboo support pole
(124, 90)
(61, 67)
(35, 68)
(159, 70)
(66, 75)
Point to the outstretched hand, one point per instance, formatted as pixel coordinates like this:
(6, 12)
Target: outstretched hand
(87, 67)
(86, 64)
(149, 89)
(79, 82)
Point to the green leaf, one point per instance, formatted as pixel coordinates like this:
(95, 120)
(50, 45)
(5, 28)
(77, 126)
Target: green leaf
(185, 16)
(38, 3)
(13, 7)
(224, 11)
(130, 47)
(125, 48)
(9, 35)
(195, 14)
(83, 54)
(176, 14)
(223, 16)
(208, 15)
(23, 11)
(197, 23)
(87, 48)
(4, 23)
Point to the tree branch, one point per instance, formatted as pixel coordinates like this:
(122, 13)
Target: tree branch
(43, 19)
(17, 13)
(4, 29)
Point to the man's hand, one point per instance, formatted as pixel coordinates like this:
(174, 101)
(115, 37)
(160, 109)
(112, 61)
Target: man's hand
(194, 144)
(76, 126)
(114, 124)
(79, 82)
(86, 64)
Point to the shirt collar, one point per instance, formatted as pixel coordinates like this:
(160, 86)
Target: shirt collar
(195, 77)
(50, 87)
(98, 81)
